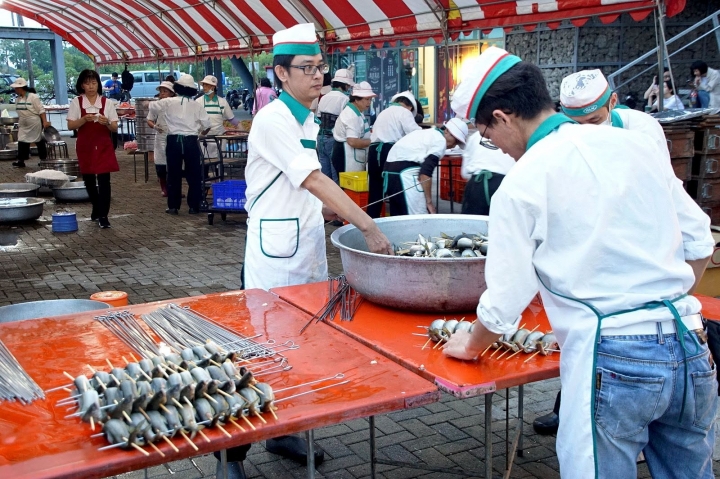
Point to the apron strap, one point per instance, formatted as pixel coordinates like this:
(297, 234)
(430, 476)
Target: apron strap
(484, 176)
(266, 188)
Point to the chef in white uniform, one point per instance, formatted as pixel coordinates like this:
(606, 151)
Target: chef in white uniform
(484, 170)
(586, 97)
(411, 163)
(352, 130)
(329, 107)
(286, 190)
(590, 219)
(218, 109)
(156, 120)
(31, 121)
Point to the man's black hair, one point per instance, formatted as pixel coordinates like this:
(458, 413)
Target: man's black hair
(185, 91)
(115, 74)
(284, 61)
(340, 85)
(265, 82)
(699, 65)
(170, 78)
(405, 101)
(520, 91)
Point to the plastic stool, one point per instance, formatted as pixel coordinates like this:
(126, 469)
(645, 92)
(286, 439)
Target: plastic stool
(57, 150)
(113, 298)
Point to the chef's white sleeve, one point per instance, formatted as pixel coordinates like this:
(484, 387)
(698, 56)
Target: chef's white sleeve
(74, 109)
(277, 143)
(110, 111)
(38, 107)
(407, 121)
(153, 112)
(509, 271)
(203, 118)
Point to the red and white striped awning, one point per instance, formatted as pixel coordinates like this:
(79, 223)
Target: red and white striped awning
(148, 30)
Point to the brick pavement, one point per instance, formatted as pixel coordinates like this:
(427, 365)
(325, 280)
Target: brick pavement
(154, 256)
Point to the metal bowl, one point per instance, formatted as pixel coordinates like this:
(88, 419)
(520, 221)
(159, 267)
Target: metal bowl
(51, 134)
(8, 154)
(18, 190)
(48, 309)
(416, 284)
(8, 120)
(20, 209)
(71, 191)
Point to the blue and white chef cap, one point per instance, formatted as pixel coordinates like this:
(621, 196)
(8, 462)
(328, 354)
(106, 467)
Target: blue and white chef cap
(298, 40)
(584, 92)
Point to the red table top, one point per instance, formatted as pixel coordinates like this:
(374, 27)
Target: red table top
(390, 332)
(36, 441)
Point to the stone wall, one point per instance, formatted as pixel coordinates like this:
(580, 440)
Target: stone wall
(608, 47)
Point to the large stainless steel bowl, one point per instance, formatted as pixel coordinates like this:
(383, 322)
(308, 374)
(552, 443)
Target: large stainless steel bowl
(71, 191)
(8, 120)
(8, 154)
(20, 209)
(18, 190)
(417, 284)
(47, 309)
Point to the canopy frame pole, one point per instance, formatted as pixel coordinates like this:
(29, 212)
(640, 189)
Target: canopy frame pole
(441, 16)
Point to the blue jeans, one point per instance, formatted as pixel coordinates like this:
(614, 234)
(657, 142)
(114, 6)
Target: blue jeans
(325, 148)
(638, 403)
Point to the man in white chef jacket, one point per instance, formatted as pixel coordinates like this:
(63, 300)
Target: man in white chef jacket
(590, 218)
(586, 97)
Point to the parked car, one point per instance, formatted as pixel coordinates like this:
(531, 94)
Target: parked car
(147, 81)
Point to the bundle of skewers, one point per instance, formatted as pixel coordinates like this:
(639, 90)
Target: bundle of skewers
(15, 383)
(342, 300)
(522, 341)
(175, 395)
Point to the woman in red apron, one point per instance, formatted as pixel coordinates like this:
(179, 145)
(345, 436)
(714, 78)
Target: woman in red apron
(94, 117)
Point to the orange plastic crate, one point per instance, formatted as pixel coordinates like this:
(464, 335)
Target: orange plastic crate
(458, 187)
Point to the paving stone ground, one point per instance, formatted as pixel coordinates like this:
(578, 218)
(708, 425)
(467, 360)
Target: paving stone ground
(154, 256)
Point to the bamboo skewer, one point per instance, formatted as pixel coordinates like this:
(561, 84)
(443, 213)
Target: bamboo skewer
(170, 443)
(486, 349)
(426, 343)
(132, 444)
(252, 426)
(533, 355)
(182, 433)
(207, 439)
(513, 354)
(157, 449)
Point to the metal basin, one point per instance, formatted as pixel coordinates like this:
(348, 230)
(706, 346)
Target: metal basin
(51, 134)
(68, 166)
(417, 284)
(18, 190)
(8, 154)
(20, 209)
(48, 309)
(71, 191)
(8, 120)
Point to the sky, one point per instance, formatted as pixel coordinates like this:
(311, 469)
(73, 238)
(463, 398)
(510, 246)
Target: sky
(6, 21)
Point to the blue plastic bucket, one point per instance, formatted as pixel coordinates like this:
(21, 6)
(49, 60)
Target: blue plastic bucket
(64, 222)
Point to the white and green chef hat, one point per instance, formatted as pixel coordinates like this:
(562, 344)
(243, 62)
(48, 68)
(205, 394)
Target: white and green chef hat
(488, 67)
(584, 92)
(298, 40)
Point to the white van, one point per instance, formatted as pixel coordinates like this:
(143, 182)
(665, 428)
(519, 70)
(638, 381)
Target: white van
(147, 81)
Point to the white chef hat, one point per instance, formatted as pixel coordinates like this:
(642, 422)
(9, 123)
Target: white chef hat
(458, 129)
(584, 92)
(186, 81)
(344, 76)
(298, 40)
(492, 63)
(363, 90)
(407, 94)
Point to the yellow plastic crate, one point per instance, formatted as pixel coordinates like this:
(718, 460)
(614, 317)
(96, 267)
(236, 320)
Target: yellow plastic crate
(355, 181)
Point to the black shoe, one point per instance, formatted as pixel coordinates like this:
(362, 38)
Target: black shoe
(171, 211)
(295, 448)
(104, 223)
(547, 424)
(18, 164)
(235, 470)
(94, 217)
(193, 211)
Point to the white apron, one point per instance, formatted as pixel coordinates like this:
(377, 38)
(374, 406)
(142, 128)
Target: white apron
(414, 193)
(289, 250)
(160, 142)
(29, 122)
(355, 158)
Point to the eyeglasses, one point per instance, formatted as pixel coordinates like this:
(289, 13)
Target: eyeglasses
(486, 142)
(313, 69)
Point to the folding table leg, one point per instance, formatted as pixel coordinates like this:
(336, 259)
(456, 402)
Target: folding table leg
(224, 464)
(521, 394)
(146, 158)
(309, 436)
(135, 167)
(488, 435)
(373, 451)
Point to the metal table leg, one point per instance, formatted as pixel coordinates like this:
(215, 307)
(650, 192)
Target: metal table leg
(146, 158)
(521, 394)
(309, 436)
(373, 451)
(135, 165)
(224, 464)
(488, 435)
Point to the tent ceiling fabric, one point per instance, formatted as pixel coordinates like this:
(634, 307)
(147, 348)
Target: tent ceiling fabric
(146, 30)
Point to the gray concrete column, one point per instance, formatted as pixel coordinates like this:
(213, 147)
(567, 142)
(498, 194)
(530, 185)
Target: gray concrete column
(58, 66)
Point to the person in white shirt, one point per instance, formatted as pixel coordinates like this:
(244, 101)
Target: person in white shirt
(410, 165)
(31, 122)
(670, 100)
(185, 118)
(484, 169)
(352, 131)
(328, 110)
(218, 110)
(393, 123)
(590, 218)
(156, 121)
(708, 80)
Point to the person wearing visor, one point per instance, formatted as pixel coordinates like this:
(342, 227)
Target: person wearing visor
(328, 110)
(352, 131)
(156, 120)
(586, 97)
(393, 123)
(591, 220)
(218, 110)
(411, 163)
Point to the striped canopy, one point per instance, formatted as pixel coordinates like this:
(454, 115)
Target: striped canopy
(148, 30)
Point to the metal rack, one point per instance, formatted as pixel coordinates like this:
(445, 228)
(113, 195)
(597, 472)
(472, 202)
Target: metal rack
(228, 164)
